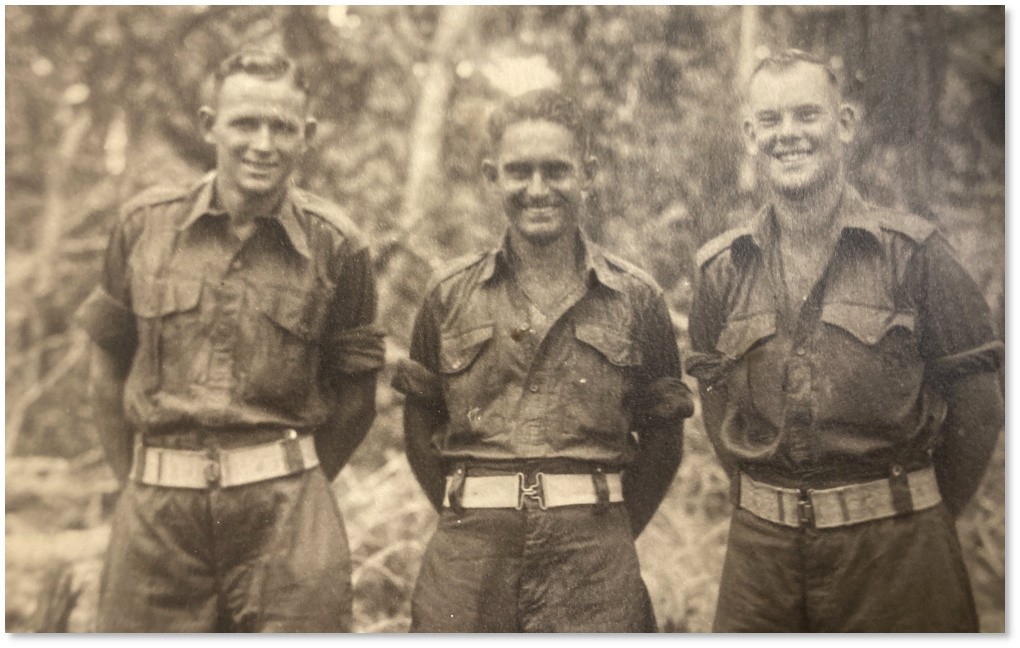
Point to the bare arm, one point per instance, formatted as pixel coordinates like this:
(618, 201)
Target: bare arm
(421, 422)
(971, 430)
(658, 411)
(353, 415)
(106, 391)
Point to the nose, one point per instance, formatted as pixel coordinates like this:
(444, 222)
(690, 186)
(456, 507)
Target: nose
(537, 186)
(263, 140)
(787, 128)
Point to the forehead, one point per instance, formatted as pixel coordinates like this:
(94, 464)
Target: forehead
(537, 139)
(250, 94)
(802, 83)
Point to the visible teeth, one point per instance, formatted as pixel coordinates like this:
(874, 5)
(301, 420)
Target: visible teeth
(792, 155)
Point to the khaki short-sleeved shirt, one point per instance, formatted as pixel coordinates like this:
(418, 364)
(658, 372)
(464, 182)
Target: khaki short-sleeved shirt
(221, 333)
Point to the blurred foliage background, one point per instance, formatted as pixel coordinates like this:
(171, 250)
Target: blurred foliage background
(101, 102)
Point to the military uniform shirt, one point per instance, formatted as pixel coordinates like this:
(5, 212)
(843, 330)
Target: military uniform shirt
(850, 387)
(569, 384)
(228, 334)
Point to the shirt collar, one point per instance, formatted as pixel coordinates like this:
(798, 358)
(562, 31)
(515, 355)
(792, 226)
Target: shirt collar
(286, 215)
(852, 213)
(593, 261)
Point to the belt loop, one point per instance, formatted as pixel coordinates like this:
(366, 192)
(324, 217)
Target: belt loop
(292, 456)
(138, 461)
(735, 488)
(899, 489)
(601, 484)
(455, 489)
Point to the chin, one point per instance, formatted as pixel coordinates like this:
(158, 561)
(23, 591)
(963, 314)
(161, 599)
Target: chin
(542, 237)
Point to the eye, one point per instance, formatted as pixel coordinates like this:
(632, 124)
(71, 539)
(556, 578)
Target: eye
(809, 113)
(768, 118)
(556, 171)
(284, 128)
(245, 124)
(517, 171)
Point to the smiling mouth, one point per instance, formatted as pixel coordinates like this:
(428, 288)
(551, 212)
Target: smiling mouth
(792, 156)
(259, 166)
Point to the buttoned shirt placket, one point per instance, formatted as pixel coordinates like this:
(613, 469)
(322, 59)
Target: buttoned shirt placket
(533, 331)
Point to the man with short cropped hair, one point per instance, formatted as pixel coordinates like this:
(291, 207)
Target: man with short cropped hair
(233, 373)
(544, 413)
(848, 373)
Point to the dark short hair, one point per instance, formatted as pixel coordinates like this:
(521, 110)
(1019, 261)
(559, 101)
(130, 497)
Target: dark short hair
(262, 64)
(545, 105)
(788, 58)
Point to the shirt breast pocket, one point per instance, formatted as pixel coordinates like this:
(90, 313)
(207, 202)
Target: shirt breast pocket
(470, 383)
(606, 359)
(871, 356)
(281, 359)
(168, 325)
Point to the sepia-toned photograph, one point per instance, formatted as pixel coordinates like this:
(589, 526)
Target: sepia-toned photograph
(505, 319)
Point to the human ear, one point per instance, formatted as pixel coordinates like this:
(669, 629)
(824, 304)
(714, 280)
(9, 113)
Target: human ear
(591, 167)
(311, 127)
(750, 137)
(847, 123)
(206, 119)
(490, 170)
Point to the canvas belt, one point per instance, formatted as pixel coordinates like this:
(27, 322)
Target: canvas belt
(841, 506)
(548, 490)
(221, 466)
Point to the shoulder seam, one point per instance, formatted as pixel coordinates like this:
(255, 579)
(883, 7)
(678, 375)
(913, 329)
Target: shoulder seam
(718, 244)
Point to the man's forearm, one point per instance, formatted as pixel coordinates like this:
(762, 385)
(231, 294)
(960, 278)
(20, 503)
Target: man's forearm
(647, 479)
(338, 438)
(970, 433)
(420, 423)
(106, 391)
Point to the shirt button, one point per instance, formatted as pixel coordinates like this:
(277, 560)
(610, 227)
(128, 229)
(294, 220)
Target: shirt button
(800, 351)
(236, 264)
(533, 389)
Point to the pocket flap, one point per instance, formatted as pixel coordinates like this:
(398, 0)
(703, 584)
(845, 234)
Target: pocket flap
(740, 335)
(458, 350)
(615, 345)
(288, 311)
(869, 324)
(160, 298)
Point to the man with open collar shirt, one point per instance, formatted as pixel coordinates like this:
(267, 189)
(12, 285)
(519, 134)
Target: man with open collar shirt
(544, 410)
(847, 367)
(233, 374)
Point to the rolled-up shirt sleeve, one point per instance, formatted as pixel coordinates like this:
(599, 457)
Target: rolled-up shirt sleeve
(955, 331)
(660, 396)
(418, 376)
(352, 342)
(106, 314)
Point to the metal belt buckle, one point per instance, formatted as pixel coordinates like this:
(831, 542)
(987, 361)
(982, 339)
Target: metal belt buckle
(536, 491)
(805, 510)
(212, 469)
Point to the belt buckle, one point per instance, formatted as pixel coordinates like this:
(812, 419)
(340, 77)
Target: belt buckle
(535, 491)
(212, 469)
(805, 509)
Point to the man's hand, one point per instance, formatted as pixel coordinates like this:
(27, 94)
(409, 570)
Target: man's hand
(106, 392)
(338, 438)
(647, 479)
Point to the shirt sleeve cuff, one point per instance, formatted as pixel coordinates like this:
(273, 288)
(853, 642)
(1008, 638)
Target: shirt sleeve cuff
(414, 380)
(986, 357)
(109, 323)
(708, 368)
(663, 401)
(358, 350)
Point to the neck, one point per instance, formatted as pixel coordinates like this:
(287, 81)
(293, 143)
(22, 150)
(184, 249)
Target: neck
(808, 218)
(245, 208)
(554, 260)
